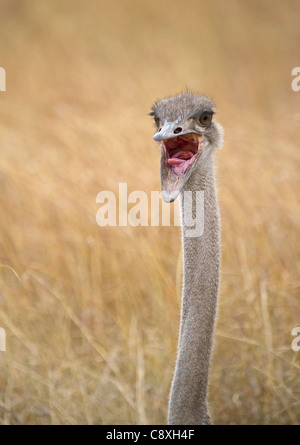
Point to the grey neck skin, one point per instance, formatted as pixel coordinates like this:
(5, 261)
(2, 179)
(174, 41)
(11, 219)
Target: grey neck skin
(201, 260)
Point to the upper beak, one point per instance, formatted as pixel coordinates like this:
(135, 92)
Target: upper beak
(166, 132)
(170, 130)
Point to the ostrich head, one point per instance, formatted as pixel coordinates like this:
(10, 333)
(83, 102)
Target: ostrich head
(188, 135)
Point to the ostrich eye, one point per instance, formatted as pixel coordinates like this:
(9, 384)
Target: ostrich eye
(156, 121)
(205, 118)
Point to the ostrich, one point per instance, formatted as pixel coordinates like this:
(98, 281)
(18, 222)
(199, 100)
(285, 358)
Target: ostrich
(188, 137)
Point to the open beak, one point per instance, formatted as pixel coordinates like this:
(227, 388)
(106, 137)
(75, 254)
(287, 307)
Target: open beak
(179, 154)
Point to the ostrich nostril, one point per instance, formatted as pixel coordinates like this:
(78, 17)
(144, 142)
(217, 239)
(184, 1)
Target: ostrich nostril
(178, 130)
(159, 129)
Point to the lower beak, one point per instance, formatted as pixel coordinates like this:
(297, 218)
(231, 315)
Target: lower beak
(171, 184)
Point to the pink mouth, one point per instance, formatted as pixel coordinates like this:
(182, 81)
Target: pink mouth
(182, 151)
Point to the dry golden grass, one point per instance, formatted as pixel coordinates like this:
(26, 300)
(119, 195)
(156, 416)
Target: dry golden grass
(91, 314)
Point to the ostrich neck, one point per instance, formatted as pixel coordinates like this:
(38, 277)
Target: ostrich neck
(201, 258)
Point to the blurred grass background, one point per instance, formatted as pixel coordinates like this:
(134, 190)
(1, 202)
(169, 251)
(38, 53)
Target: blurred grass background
(91, 314)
